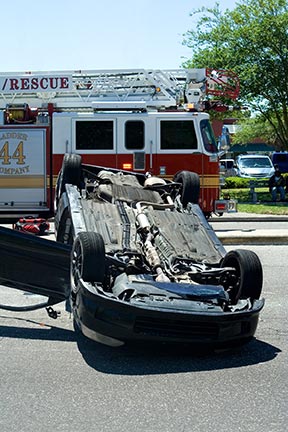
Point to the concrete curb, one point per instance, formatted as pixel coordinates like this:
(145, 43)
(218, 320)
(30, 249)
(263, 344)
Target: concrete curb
(260, 237)
(250, 219)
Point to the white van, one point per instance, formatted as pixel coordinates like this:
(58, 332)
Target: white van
(227, 167)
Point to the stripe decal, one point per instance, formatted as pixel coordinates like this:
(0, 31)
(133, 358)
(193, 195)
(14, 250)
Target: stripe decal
(206, 181)
(22, 182)
(209, 181)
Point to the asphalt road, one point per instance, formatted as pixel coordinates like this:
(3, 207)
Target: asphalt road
(54, 379)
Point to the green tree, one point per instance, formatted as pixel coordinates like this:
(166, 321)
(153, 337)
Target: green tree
(251, 40)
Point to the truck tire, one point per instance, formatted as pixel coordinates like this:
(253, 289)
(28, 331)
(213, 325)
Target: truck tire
(190, 189)
(249, 274)
(88, 258)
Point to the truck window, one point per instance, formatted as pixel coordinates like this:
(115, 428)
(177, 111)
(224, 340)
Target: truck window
(94, 135)
(208, 137)
(134, 135)
(177, 134)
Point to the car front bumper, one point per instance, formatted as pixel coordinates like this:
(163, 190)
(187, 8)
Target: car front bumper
(114, 322)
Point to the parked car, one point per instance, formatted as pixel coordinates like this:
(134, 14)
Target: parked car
(254, 166)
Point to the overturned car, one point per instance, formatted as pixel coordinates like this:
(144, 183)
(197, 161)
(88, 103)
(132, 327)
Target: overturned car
(145, 265)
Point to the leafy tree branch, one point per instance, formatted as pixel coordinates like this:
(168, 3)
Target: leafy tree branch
(251, 40)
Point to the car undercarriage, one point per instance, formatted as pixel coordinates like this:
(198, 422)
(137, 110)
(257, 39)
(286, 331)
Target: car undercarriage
(144, 263)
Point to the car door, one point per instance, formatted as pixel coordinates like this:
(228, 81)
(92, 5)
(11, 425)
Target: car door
(34, 264)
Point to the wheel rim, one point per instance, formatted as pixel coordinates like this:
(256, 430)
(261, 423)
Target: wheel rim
(234, 290)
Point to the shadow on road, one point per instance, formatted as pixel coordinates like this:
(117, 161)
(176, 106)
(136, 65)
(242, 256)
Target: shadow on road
(135, 360)
(41, 332)
(140, 359)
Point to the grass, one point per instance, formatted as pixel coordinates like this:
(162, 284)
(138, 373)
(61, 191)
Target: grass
(265, 208)
(263, 204)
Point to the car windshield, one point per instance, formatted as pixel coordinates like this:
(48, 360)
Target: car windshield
(255, 163)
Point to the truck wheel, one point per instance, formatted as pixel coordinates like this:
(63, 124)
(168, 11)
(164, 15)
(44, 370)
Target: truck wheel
(249, 275)
(88, 258)
(190, 189)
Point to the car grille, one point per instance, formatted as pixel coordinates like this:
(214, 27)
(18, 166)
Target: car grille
(258, 175)
(176, 328)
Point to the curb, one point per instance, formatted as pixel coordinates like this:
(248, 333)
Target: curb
(255, 237)
(249, 219)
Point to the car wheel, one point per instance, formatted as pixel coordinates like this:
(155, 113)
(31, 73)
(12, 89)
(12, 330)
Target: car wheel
(70, 173)
(249, 275)
(190, 186)
(88, 258)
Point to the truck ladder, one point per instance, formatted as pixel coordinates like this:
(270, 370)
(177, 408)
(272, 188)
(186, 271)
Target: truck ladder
(80, 89)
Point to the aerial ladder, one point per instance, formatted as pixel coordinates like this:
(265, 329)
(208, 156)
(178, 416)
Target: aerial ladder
(199, 89)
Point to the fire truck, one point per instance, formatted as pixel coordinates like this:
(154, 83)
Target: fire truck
(142, 120)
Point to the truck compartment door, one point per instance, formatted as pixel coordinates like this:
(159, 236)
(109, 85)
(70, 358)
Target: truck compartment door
(34, 264)
(23, 169)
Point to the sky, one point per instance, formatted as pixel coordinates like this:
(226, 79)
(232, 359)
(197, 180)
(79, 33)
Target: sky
(62, 35)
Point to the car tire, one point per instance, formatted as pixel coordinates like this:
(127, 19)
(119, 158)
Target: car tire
(71, 170)
(249, 274)
(70, 173)
(190, 189)
(88, 258)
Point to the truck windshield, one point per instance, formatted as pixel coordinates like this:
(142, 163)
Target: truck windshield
(208, 137)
